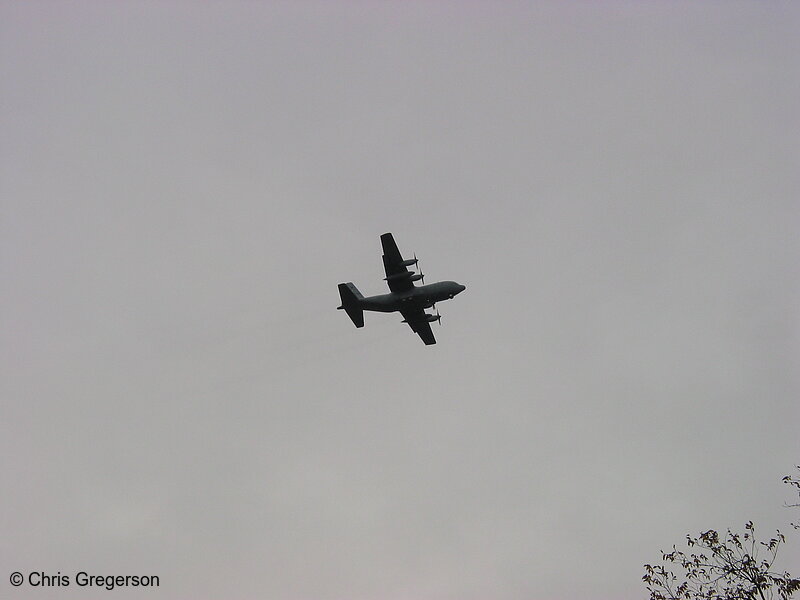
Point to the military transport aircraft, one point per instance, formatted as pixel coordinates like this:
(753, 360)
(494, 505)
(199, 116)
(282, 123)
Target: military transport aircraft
(404, 296)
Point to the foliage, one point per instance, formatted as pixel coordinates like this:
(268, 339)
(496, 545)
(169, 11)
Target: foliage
(794, 481)
(730, 567)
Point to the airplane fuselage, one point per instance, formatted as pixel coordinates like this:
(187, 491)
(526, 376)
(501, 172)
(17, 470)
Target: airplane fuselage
(423, 296)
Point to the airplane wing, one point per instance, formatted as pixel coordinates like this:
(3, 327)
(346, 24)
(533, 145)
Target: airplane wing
(399, 278)
(418, 321)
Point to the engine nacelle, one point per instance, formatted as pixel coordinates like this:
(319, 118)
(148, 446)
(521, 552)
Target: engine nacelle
(397, 276)
(409, 262)
(432, 318)
(405, 275)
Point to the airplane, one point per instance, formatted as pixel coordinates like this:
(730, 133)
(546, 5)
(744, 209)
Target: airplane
(405, 297)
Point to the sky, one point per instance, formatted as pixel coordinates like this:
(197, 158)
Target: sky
(182, 187)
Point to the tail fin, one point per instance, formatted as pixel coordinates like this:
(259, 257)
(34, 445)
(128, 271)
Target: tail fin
(351, 303)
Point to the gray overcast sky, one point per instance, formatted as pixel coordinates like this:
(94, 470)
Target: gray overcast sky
(185, 183)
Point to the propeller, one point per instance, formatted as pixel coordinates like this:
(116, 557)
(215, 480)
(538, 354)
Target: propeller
(438, 317)
(419, 269)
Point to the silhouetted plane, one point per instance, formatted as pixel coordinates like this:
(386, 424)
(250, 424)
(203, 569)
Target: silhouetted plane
(410, 300)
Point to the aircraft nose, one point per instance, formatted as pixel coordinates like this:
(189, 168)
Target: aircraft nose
(461, 288)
